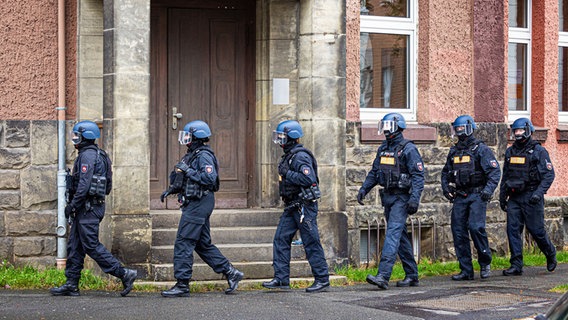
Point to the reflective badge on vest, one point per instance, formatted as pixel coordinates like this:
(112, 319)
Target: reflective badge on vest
(84, 168)
(464, 159)
(517, 160)
(387, 160)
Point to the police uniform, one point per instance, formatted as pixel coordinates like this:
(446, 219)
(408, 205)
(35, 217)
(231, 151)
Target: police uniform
(399, 169)
(198, 200)
(300, 169)
(527, 172)
(89, 211)
(474, 173)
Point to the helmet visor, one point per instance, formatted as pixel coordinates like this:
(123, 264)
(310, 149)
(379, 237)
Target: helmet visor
(390, 126)
(184, 137)
(462, 130)
(76, 138)
(279, 137)
(520, 133)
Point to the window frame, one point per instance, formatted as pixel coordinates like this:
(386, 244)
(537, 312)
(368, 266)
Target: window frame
(397, 26)
(522, 36)
(562, 42)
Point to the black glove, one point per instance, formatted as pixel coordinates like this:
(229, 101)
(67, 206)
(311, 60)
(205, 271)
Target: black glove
(485, 196)
(503, 204)
(69, 212)
(535, 198)
(182, 167)
(361, 196)
(164, 195)
(450, 193)
(412, 208)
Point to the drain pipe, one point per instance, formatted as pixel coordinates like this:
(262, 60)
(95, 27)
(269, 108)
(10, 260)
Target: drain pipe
(61, 221)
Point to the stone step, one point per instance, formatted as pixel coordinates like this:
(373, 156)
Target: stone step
(220, 235)
(234, 252)
(162, 219)
(252, 270)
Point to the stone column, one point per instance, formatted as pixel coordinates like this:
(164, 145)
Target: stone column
(126, 107)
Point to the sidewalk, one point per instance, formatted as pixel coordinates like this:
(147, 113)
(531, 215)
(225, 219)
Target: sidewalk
(498, 297)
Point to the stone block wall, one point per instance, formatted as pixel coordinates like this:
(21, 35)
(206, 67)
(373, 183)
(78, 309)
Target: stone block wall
(28, 191)
(434, 210)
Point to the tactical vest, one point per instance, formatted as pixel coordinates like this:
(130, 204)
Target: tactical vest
(191, 189)
(466, 172)
(522, 172)
(391, 175)
(288, 190)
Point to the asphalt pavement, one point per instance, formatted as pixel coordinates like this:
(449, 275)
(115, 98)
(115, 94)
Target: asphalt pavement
(498, 297)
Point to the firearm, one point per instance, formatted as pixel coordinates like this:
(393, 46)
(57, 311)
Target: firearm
(68, 186)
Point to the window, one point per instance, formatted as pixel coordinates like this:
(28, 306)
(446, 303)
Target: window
(563, 61)
(519, 59)
(388, 59)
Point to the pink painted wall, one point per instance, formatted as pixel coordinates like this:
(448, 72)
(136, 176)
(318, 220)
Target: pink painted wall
(28, 81)
(352, 89)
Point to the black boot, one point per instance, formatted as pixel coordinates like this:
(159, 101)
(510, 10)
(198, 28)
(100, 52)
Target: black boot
(484, 271)
(551, 263)
(128, 280)
(276, 284)
(462, 277)
(512, 271)
(233, 278)
(318, 286)
(379, 281)
(408, 282)
(70, 288)
(181, 289)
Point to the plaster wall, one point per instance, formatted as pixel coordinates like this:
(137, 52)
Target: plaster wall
(28, 81)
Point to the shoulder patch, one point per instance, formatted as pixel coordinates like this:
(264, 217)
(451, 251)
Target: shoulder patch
(548, 165)
(84, 168)
(306, 171)
(493, 163)
(419, 166)
(209, 168)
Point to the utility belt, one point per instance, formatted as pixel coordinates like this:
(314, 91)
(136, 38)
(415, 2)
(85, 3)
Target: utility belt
(464, 192)
(396, 191)
(309, 194)
(94, 201)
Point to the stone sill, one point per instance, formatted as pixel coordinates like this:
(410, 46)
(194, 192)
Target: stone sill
(415, 132)
(562, 133)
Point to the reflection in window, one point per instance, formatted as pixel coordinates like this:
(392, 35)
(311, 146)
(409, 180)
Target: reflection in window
(388, 54)
(385, 8)
(517, 13)
(563, 79)
(517, 77)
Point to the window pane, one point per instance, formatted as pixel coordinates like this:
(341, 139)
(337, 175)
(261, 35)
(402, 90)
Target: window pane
(517, 77)
(563, 14)
(384, 71)
(518, 13)
(563, 79)
(385, 8)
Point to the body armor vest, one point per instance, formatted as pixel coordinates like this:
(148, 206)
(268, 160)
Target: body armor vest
(391, 175)
(466, 172)
(522, 172)
(287, 190)
(191, 189)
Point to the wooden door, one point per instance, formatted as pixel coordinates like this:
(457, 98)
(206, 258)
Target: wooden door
(200, 71)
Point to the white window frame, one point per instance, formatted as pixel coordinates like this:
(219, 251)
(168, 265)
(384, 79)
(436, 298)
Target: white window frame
(563, 42)
(402, 26)
(522, 35)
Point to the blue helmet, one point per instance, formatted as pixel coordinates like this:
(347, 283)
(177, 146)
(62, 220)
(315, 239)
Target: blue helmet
(464, 126)
(198, 129)
(526, 125)
(285, 129)
(391, 123)
(87, 130)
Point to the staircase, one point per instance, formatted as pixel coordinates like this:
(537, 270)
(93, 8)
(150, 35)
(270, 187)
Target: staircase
(244, 236)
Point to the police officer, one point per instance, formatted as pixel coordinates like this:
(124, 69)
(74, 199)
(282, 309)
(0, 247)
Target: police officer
(527, 175)
(85, 210)
(399, 170)
(195, 179)
(469, 178)
(299, 190)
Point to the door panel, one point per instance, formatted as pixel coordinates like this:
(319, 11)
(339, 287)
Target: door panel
(206, 80)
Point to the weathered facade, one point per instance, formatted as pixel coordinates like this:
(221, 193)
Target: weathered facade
(138, 68)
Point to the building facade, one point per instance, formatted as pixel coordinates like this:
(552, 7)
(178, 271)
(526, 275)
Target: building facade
(144, 68)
